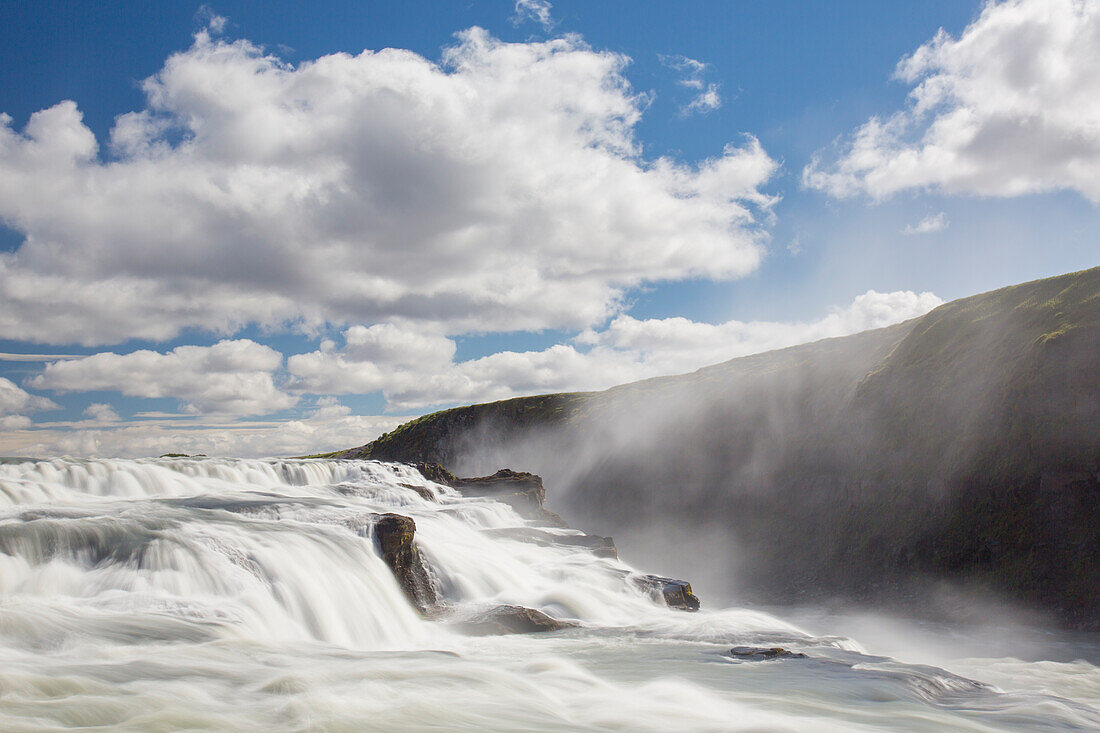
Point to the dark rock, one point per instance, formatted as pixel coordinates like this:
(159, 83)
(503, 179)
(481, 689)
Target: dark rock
(424, 492)
(394, 534)
(522, 491)
(436, 472)
(519, 487)
(511, 620)
(759, 654)
(675, 593)
(599, 546)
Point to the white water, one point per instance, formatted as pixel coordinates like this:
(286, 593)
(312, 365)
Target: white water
(178, 594)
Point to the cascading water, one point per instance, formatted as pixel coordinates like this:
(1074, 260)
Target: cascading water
(242, 595)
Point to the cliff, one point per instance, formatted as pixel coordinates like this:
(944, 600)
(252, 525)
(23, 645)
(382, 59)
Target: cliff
(960, 446)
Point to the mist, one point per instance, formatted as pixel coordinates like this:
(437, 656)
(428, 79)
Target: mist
(958, 448)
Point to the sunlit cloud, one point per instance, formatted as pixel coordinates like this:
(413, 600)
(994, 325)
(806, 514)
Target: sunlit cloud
(1010, 107)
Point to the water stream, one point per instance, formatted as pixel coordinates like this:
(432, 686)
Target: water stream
(180, 594)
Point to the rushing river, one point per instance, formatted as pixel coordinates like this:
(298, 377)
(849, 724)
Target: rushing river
(226, 595)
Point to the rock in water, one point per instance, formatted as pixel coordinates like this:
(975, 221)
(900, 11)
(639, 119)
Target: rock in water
(511, 620)
(675, 593)
(394, 534)
(759, 654)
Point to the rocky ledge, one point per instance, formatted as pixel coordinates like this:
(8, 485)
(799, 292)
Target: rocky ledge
(522, 491)
(395, 535)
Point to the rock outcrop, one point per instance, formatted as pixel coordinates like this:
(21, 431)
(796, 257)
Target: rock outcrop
(760, 654)
(509, 619)
(522, 491)
(675, 593)
(394, 534)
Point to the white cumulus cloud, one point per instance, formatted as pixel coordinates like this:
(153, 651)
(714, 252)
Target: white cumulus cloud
(1010, 107)
(228, 378)
(500, 189)
(14, 401)
(101, 412)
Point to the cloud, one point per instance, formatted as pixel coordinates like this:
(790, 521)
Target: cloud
(502, 189)
(1010, 107)
(100, 412)
(533, 10)
(927, 225)
(14, 400)
(670, 345)
(15, 422)
(228, 378)
(707, 98)
(37, 357)
(329, 427)
(627, 349)
(211, 21)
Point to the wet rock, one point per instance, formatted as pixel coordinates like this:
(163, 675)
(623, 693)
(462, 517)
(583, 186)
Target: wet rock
(520, 490)
(675, 593)
(507, 485)
(394, 534)
(599, 546)
(759, 654)
(424, 492)
(511, 620)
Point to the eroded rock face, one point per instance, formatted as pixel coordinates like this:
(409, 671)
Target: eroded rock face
(522, 491)
(394, 534)
(511, 620)
(675, 593)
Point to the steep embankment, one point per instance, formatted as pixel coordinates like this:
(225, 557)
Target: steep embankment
(963, 445)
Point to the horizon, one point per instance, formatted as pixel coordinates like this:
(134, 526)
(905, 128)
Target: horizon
(240, 233)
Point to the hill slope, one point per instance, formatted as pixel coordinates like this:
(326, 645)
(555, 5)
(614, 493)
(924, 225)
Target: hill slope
(963, 446)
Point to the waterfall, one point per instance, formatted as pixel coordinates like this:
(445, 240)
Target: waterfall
(234, 594)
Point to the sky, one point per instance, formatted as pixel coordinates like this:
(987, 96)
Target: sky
(255, 229)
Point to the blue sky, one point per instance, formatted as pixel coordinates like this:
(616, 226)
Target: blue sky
(247, 236)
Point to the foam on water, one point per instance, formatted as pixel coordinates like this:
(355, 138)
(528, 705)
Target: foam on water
(233, 595)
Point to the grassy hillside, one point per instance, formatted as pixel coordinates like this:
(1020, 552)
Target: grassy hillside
(963, 446)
